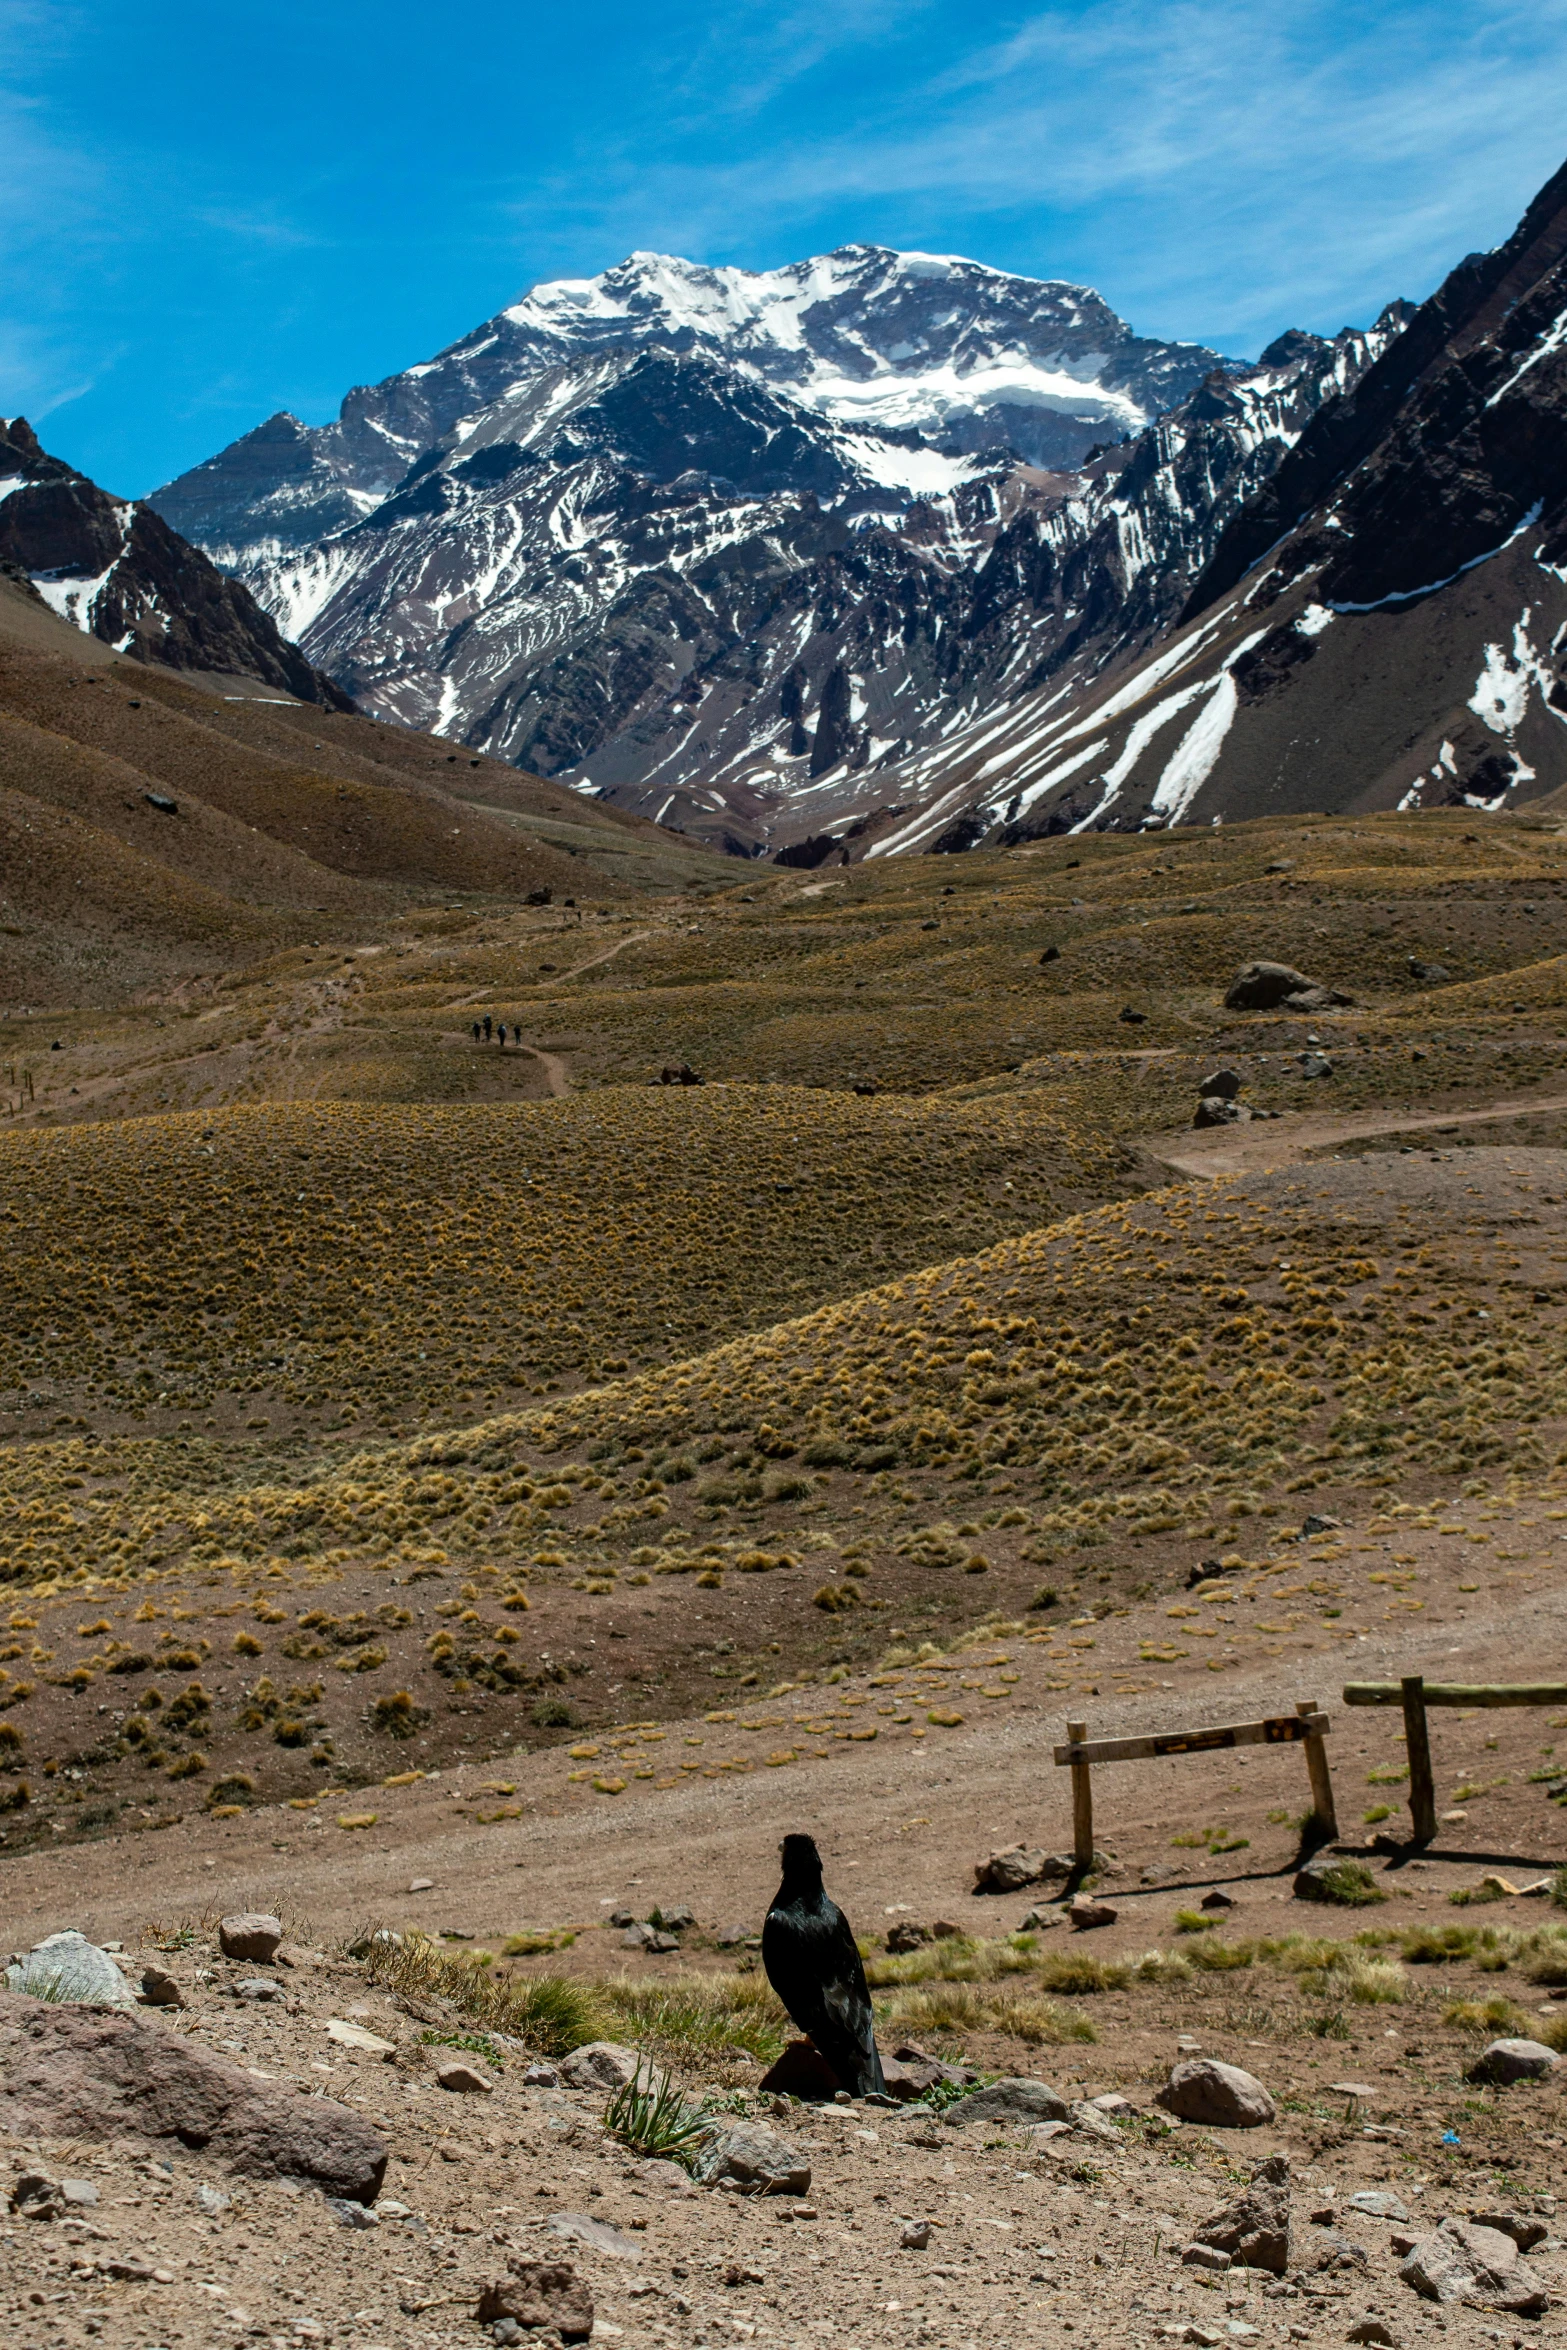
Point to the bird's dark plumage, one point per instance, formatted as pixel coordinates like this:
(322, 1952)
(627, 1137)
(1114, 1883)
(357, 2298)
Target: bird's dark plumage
(814, 1967)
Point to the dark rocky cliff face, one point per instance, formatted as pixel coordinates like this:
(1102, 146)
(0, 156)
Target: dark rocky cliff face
(115, 568)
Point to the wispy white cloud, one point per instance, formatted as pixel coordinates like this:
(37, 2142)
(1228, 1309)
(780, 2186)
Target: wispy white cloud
(1228, 165)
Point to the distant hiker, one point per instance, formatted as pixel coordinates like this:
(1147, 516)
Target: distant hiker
(500, 1031)
(476, 1032)
(486, 1027)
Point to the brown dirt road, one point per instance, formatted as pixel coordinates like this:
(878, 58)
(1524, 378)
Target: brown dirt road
(1284, 1141)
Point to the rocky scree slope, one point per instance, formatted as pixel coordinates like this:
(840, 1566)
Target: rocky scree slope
(722, 594)
(115, 569)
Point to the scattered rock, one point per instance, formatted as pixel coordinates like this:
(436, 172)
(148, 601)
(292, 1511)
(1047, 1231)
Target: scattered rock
(1223, 1085)
(1159, 1872)
(1506, 2061)
(541, 2076)
(464, 2080)
(1012, 2099)
(540, 2293)
(1203, 2090)
(907, 1936)
(1217, 1900)
(1088, 2120)
(250, 1937)
(667, 2175)
(1205, 2256)
(258, 1987)
(909, 2080)
(1460, 2261)
(68, 1969)
(1430, 974)
(602, 2064)
(756, 2159)
(1019, 1865)
(1217, 1110)
(802, 2071)
(1377, 2203)
(1332, 1877)
(1119, 2108)
(1085, 1912)
(914, 2235)
(1372, 2328)
(732, 1937)
(1265, 987)
(1313, 1065)
(36, 2196)
(1318, 1522)
(1525, 2233)
(674, 1917)
(422, 1885)
(1255, 2229)
(601, 2234)
(159, 1989)
(355, 2036)
(65, 2073)
(349, 2214)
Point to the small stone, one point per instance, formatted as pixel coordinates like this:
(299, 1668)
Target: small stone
(906, 2082)
(1223, 1083)
(907, 1936)
(914, 2235)
(753, 2159)
(1207, 2337)
(212, 2200)
(1223, 2095)
(732, 1937)
(1012, 2099)
(667, 2175)
(36, 2196)
(355, 2036)
(1526, 2233)
(1372, 2329)
(602, 2064)
(1085, 1912)
(1158, 1873)
(78, 2194)
(1205, 2256)
(1318, 1522)
(422, 1885)
(464, 2080)
(1506, 2061)
(258, 1987)
(675, 1917)
(541, 2076)
(159, 1989)
(1254, 2230)
(349, 2214)
(1377, 2203)
(250, 1936)
(1334, 1878)
(600, 2234)
(1217, 1899)
(1094, 2124)
(1118, 2108)
(1187, 2045)
(539, 2293)
(1360, 2090)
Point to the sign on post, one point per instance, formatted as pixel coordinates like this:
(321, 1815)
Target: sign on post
(1307, 1726)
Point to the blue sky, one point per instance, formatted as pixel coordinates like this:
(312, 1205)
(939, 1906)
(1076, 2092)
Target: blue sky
(209, 213)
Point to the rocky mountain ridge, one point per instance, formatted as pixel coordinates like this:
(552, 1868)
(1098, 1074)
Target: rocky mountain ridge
(115, 569)
(721, 579)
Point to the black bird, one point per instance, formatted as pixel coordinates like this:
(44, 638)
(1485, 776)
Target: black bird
(814, 1967)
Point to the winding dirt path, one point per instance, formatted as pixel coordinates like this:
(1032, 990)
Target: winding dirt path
(1285, 1141)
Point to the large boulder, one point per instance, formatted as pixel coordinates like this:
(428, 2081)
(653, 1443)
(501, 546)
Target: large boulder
(1460, 2261)
(539, 2294)
(70, 1970)
(1268, 987)
(66, 2073)
(754, 2159)
(1011, 2100)
(1204, 2090)
(1255, 2229)
(1506, 2061)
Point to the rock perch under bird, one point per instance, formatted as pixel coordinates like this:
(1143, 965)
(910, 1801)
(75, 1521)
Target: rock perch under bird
(813, 1965)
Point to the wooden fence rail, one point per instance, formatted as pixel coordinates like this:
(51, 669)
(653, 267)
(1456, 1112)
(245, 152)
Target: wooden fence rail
(1415, 1694)
(1307, 1726)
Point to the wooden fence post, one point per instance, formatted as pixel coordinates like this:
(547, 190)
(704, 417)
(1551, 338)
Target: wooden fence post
(1082, 1802)
(1417, 1742)
(1317, 1766)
